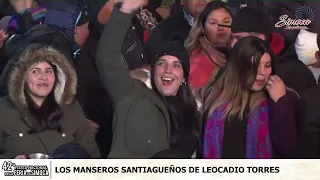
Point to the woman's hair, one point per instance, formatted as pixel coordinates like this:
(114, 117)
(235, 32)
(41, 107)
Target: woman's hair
(234, 86)
(48, 116)
(186, 109)
(192, 41)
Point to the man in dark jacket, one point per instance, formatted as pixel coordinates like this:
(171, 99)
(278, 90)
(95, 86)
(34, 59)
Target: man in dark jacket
(178, 24)
(289, 68)
(309, 121)
(92, 96)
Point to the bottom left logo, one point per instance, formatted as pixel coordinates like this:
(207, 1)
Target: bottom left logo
(12, 169)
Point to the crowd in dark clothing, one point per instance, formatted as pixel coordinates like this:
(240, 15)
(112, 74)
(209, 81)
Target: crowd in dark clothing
(214, 79)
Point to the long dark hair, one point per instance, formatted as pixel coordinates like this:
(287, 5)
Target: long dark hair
(48, 116)
(234, 86)
(187, 110)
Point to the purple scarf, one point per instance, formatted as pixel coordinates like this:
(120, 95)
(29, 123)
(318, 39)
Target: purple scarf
(258, 144)
(37, 13)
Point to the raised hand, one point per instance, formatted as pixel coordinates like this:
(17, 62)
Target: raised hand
(276, 88)
(130, 6)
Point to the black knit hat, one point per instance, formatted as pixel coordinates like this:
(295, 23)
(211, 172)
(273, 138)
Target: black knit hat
(175, 49)
(251, 20)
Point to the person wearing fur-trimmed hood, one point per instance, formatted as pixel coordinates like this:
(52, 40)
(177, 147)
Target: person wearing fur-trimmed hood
(40, 113)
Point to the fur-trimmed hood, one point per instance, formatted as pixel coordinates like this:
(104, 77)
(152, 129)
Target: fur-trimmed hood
(65, 89)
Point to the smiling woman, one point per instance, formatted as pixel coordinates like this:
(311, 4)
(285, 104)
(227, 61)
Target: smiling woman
(147, 121)
(41, 110)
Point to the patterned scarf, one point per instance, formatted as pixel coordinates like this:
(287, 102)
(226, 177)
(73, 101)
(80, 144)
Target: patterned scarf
(258, 144)
(146, 19)
(38, 14)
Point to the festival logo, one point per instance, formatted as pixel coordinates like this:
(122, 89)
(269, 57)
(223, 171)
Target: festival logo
(12, 169)
(304, 15)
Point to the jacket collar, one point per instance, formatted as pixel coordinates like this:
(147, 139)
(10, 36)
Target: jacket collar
(189, 18)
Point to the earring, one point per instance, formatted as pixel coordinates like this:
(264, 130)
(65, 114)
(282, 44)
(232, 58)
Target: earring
(183, 83)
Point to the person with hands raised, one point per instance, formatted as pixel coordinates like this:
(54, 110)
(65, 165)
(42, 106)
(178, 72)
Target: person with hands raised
(147, 121)
(248, 109)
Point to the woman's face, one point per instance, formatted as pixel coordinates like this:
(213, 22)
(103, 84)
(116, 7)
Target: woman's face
(264, 71)
(168, 75)
(40, 79)
(218, 35)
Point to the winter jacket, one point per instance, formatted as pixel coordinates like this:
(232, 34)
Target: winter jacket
(92, 96)
(309, 124)
(40, 34)
(16, 120)
(141, 123)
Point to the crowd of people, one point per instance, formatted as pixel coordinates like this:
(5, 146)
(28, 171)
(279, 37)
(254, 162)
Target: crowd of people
(206, 79)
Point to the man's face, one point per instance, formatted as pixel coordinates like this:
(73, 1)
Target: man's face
(195, 7)
(81, 34)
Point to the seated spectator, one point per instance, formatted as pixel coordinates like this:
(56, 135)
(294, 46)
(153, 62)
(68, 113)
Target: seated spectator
(40, 114)
(288, 67)
(248, 109)
(178, 24)
(27, 14)
(309, 122)
(92, 96)
(73, 19)
(306, 46)
(147, 121)
(207, 41)
(67, 36)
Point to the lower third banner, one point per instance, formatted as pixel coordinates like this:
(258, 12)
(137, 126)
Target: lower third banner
(159, 169)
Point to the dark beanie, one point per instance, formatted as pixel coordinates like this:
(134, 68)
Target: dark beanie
(251, 20)
(175, 49)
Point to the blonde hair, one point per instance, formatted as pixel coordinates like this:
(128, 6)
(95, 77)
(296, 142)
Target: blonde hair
(193, 40)
(233, 88)
(215, 94)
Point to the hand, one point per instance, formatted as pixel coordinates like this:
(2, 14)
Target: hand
(3, 37)
(129, 6)
(21, 5)
(21, 157)
(94, 126)
(316, 64)
(276, 88)
(139, 74)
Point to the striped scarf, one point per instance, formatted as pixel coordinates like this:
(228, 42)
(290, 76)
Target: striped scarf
(38, 14)
(258, 144)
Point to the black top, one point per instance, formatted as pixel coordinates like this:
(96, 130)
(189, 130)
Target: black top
(234, 139)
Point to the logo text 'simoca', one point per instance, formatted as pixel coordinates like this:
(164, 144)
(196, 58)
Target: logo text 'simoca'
(304, 15)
